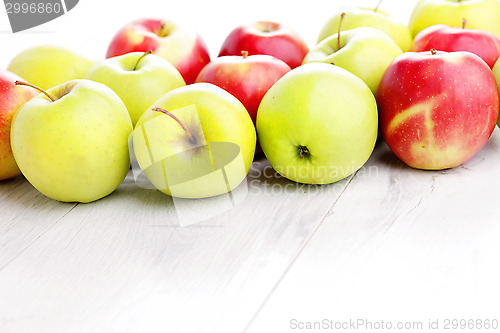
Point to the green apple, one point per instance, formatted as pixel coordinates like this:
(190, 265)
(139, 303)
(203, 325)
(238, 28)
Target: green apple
(196, 141)
(365, 52)
(364, 17)
(71, 142)
(480, 14)
(496, 73)
(138, 78)
(318, 124)
(47, 66)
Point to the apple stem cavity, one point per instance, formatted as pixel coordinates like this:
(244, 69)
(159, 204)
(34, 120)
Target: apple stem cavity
(464, 23)
(342, 17)
(378, 5)
(165, 29)
(21, 83)
(303, 151)
(140, 58)
(434, 51)
(171, 115)
(244, 54)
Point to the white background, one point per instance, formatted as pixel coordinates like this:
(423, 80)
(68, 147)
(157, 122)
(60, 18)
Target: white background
(90, 26)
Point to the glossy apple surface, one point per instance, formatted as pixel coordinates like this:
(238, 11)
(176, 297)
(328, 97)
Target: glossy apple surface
(73, 149)
(480, 14)
(138, 79)
(248, 78)
(318, 124)
(365, 52)
(437, 109)
(266, 37)
(184, 49)
(216, 155)
(356, 17)
(451, 39)
(11, 98)
(47, 66)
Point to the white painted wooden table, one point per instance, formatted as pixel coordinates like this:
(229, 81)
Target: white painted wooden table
(389, 243)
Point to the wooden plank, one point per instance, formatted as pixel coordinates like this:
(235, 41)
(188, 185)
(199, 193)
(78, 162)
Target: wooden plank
(124, 264)
(25, 215)
(404, 245)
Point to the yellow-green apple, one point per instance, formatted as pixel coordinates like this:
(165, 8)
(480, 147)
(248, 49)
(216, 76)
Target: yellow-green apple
(496, 73)
(47, 66)
(11, 98)
(248, 78)
(365, 17)
(196, 141)
(366, 52)
(451, 39)
(437, 109)
(266, 37)
(318, 124)
(139, 79)
(480, 14)
(184, 49)
(71, 142)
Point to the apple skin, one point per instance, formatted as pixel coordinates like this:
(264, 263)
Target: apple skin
(266, 37)
(76, 148)
(11, 98)
(496, 73)
(222, 119)
(318, 124)
(47, 66)
(452, 39)
(247, 78)
(480, 14)
(437, 110)
(365, 17)
(182, 48)
(139, 88)
(366, 52)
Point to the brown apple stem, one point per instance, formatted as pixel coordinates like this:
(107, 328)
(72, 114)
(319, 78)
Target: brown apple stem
(433, 51)
(244, 54)
(140, 58)
(21, 83)
(378, 5)
(342, 17)
(464, 23)
(171, 115)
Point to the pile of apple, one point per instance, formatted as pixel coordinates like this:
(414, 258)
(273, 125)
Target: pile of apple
(71, 126)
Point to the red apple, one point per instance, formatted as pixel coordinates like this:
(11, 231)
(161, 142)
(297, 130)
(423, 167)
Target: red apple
(183, 49)
(437, 109)
(264, 37)
(11, 98)
(248, 78)
(451, 39)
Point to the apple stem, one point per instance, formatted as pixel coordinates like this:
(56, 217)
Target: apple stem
(171, 115)
(20, 83)
(433, 51)
(342, 17)
(464, 23)
(140, 58)
(244, 54)
(378, 5)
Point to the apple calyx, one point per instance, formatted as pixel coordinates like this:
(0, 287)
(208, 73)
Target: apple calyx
(184, 128)
(464, 23)
(21, 83)
(244, 54)
(434, 51)
(303, 151)
(342, 17)
(140, 58)
(378, 5)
